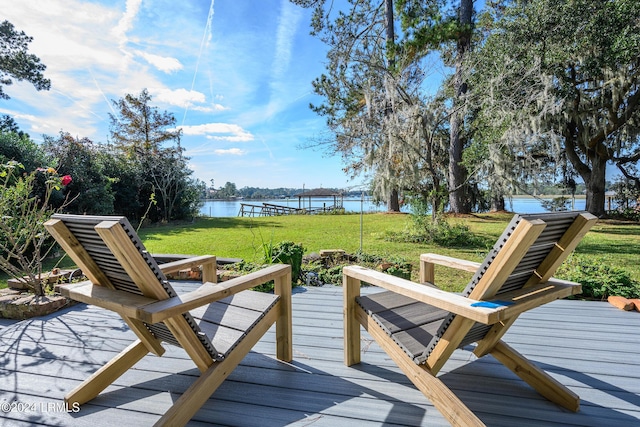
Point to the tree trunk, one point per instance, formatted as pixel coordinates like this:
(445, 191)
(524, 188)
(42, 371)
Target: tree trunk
(388, 9)
(596, 184)
(593, 174)
(497, 203)
(393, 204)
(435, 208)
(457, 173)
(458, 201)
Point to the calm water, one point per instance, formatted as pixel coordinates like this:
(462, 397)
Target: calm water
(230, 208)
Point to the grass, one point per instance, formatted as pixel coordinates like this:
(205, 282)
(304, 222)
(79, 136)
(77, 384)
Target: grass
(614, 243)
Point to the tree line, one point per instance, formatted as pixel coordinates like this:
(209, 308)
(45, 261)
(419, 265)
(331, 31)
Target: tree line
(230, 190)
(142, 174)
(534, 93)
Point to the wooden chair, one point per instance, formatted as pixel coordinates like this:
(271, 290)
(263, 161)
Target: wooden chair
(217, 324)
(420, 326)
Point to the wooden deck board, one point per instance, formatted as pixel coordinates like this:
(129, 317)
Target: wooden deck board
(589, 346)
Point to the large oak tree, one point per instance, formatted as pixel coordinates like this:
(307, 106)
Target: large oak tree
(560, 78)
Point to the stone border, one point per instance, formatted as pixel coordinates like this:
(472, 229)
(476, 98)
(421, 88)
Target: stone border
(18, 305)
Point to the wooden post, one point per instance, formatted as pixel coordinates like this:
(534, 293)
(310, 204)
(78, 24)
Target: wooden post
(351, 288)
(210, 272)
(427, 272)
(284, 333)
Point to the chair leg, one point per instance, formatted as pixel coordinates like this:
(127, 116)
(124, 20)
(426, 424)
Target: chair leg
(445, 401)
(351, 325)
(106, 375)
(199, 392)
(542, 382)
(210, 272)
(284, 323)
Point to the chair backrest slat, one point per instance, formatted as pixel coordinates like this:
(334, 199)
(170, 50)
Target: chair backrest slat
(505, 258)
(562, 227)
(84, 227)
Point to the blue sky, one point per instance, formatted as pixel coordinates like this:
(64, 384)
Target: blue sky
(236, 74)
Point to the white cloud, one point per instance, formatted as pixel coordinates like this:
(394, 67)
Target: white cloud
(86, 66)
(179, 97)
(288, 22)
(19, 116)
(188, 99)
(253, 62)
(66, 34)
(213, 108)
(232, 138)
(219, 132)
(165, 64)
(231, 151)
(126, 22)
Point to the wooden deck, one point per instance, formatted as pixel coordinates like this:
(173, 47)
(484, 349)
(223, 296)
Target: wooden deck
(589, 346)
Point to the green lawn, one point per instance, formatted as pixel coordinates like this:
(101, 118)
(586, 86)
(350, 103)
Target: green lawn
(616, 244)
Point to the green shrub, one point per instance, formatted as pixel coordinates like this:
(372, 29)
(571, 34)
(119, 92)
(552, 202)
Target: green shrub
(25, 205)
(627, 214)
(368, 259)
(332, 275)
(286, 252)
(598, 278)
(243, 268)
(329, 271)
(400, 269)
(441, 233)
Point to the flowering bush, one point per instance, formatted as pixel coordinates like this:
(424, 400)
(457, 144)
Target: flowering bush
(24, 208)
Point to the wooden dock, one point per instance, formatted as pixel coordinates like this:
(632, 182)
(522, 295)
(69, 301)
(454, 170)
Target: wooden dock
(591, 347)
(271, 209)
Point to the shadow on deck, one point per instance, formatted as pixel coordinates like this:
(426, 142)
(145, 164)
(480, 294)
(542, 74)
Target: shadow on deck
(589, 346)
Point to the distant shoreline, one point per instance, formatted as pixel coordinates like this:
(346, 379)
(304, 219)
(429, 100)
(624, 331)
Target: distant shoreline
(352, 199)
(548, 196)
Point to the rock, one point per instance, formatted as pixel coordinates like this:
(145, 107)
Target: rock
(332, 253)
(314, 256)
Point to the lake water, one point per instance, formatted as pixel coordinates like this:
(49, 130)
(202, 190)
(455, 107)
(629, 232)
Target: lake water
(231, 208)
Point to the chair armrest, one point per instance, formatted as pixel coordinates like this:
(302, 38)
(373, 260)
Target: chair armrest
(151, 310)
(433, 296)
(428, 261)
(125, 303)
(210, 292)
(542, 293)
(510, 304)
(208, 263)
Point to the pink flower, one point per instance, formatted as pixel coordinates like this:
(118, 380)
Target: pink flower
(66, 180)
